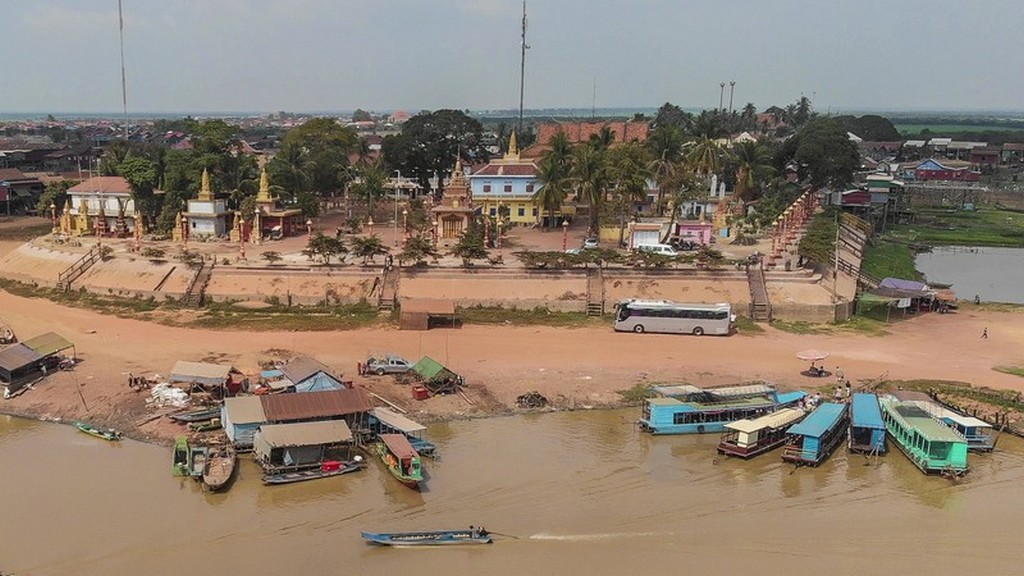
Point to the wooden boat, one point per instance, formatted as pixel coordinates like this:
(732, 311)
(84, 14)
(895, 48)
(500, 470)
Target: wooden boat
(686, 409)
(401, 459)
(197, 456)
(180, 458)
(385, 421)
(196, 415)
(932, 446)
(434, 538)
(106, 434)
(206, 426)
(977, 432)
(326, 470)
(748, 438)
(812, 440)
(867, 429)
(220, 465)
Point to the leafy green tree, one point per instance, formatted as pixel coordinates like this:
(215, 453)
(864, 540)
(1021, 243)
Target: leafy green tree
(824, 154)
(753, 166)
(818, 243)
(272, 257)
(629, 172)
(361, 115)
(368, 247)
(417, 249)
(429, 142)
(140, 172)
(325, 247)
(370, 183)
(471, 245)
(672, 116)
(56, 193)
(314, 157)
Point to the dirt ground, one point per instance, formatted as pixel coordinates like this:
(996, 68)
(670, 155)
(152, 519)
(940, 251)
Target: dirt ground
(573, 368)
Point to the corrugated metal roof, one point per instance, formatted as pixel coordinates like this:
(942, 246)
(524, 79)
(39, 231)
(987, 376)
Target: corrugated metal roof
(777, 419)
(244, 409)
(302, 368)
(203, 372)
(429, 368)
(913, 416)
(399, 446)
(49, 343)
(303, 434)
(17, 356)
(823, 419)
(312, 405)
(679, 390)
(397, 421)
(865, 412)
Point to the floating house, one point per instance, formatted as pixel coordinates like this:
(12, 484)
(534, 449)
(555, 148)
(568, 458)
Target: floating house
(28, 360)
(219, 379)
(931, 445)
(281, 447)
(811, 441)
(305, 374)
(748, 438)
(687, 409)
(867, 429)
(242, 415)
(385, 421)
(977, 432)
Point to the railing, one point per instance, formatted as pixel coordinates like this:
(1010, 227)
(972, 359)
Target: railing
(73, 272)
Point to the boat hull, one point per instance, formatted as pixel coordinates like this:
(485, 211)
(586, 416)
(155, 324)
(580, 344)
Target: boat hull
(393, 466)
(314, 474)
(109, 435)
(435, 538)
(220, 467)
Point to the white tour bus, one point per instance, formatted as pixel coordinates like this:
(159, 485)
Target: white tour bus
(673, 317)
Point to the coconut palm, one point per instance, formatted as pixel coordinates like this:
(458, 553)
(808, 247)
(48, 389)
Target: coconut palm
(554, 188)
(629, 171)
(370, 184)
(589, 174)
(666, 146)
(753, 165)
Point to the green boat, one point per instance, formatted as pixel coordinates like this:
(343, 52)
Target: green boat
(401, 458)
(931, 445)
(197, 455)
(181, 465)
(106, 434)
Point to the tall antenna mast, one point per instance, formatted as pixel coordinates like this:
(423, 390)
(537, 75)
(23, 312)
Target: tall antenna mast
(593, 101)
(522, 72)
(124, 88)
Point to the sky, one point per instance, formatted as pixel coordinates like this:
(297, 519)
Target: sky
(197, 56)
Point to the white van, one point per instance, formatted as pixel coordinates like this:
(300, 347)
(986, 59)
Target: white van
(663, 249)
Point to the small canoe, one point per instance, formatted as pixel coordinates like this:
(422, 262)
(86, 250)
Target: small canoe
(104, 433)
(206, 426)
(180, 459)
(220, 465)
(197, 461)
(326, 470)
(196, 415)
(435, 538)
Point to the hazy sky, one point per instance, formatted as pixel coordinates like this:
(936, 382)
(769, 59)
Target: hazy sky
(316, 55)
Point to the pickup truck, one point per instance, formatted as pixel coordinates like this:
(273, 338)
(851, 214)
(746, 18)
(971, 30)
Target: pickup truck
(389, 364)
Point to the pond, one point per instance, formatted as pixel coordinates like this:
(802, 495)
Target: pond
(995, 274)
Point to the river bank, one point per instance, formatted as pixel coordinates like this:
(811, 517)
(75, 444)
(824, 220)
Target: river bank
(574, 368)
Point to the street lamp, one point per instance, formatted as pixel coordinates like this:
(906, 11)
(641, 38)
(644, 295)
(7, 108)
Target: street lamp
(369, 224)
(53, 217)
(433, 230)
(405, 225)
(256, 225)
(397, 185)
(565, 233)
(309, 229)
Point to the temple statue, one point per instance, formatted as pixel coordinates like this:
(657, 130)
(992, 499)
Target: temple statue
(205, 192)
(176, 234)
(82, 226)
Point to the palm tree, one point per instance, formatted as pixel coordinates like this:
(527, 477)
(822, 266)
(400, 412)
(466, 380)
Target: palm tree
(370, 184)
(629, 168)
(666, 145)
(589, 173)
(706, 156)
(753, 165)
(554, 188)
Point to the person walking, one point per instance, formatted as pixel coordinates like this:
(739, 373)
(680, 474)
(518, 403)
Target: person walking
(984, 333)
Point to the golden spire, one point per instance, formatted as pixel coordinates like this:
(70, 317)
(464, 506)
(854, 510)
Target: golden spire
(205, 193)
(513, 148)
(264, 194)
(458, 176)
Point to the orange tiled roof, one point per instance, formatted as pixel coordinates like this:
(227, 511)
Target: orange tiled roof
(103, 185)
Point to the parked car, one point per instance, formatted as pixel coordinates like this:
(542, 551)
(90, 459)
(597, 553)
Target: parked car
(663, 249)
(389, 364)
(590, 243)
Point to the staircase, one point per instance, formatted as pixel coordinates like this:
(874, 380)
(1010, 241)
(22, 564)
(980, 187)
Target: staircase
(73, 272)
(595, 291)
(197, 287)
(388, 290)
(760, 306)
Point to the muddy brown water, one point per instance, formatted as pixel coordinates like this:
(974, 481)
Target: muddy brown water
(583, 492)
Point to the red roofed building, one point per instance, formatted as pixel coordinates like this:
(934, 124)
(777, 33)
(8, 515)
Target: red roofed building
(575, 132)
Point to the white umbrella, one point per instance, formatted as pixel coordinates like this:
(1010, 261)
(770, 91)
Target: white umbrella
(812, 355)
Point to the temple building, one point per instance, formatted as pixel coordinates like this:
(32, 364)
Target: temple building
(451, 217)
(206, 216)
(271, 219)
(509, 182)
(101, 205)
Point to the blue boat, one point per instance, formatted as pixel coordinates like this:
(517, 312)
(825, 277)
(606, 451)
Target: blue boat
(434, 538)
(867, 429)
(811, 441)
(690, 410)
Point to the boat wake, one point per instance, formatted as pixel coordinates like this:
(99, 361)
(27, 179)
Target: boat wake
(596, 537)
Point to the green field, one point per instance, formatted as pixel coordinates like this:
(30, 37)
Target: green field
(948, 129)
(984, 227)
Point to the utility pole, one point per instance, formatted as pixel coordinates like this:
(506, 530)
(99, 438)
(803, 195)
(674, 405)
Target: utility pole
(721, 94)
(522, 72)
(732, 88)
(124, 88)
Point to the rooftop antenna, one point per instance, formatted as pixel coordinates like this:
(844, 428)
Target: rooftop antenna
(522, 71)
(124, 88)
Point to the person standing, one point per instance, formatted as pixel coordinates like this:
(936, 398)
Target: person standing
(984, 333)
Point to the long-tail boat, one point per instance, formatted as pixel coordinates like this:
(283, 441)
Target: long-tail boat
(401, 459)
(432, 538)
(104, 433)
(325, 470)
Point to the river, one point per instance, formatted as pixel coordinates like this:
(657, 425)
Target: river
(583, 492)
(994, 274)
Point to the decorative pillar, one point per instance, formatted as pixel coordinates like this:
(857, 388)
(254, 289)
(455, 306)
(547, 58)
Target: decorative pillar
(257, 229)
(53, 218)
(369, 224)
(565, 233)
(405, 226)
(309, 230)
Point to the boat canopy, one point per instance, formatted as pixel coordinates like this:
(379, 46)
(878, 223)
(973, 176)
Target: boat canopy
(965, 421)
(823, 419)
(399, 445)
(915, 417)
(721, 392)
(303, 434)
(775, 420)
(865, 412)
(393, 419)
